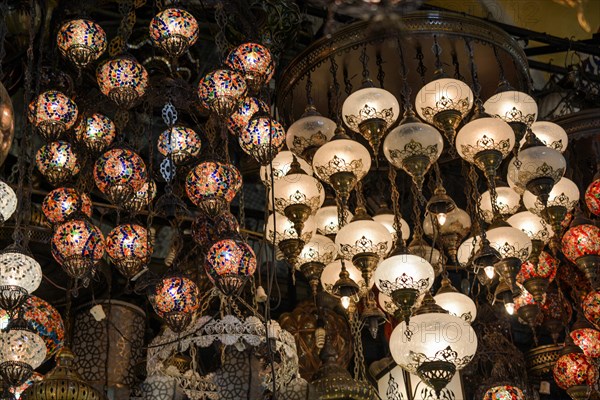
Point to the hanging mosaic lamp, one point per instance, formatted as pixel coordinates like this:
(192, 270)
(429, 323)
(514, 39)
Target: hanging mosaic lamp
(20, 275)
(221, 92)
(254, 62)
(591, 307)
(536, 276)
(229, 263)
(575, 373)
(95, 132)
(129, 248)
(586, 337)
(8, 202)
(262, 139)
(141, 198)
(77, 246)
(18, 391)
(57, 162)
(592, 196)
(21, 351)
(207, 230)
(238, 121)
(504, 392)
(180, 143)
(176, 299)
(174, 30)
(42, 319)
(81, 41)
(123, 80)
(64, 202)
(581, 245)
(119, 173)
(52, 113)
(211, 186)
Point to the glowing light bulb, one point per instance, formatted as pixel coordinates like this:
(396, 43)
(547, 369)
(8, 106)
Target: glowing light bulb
(489, 272)
(345, 302)
(510, 308)
(441, 217)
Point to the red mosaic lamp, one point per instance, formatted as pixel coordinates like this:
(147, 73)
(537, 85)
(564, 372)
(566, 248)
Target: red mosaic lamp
(119, 173)
(211, 186)
(57, 162)
(581, 245)
(123, 80)
(262, 138)
(95, 132)
(174, 30)
(64, 202)
(176, 299)
(254, 62)
(229, 264)
(52, 113)
(81, 41)
(180, 143)
(591, 307)
(592, 196)
(221, 92)
(129, 248)
(574, 372)
(586, 337)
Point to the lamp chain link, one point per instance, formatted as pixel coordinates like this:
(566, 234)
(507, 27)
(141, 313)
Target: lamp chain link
(309, 84)
(359, 357)
(396, 204)
(335, 108)
(476, 200)
(380, 71)
(456, 64)
(475, 76)
(3, 30)
(347, 82)
(364, 60)
(416, 195)
(406, 91)
(421, 68)
(437, 51)
(360, 196)
(242, 211)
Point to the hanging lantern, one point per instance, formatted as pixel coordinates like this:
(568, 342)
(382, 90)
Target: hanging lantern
(592, 197)
(280, 166)
(536, 276)
(42, 319)
(129, 248)
(485, 142)
(95, 132)
(586, 337)
(63, 203)
(280, 231)
(239, 120)
(433, 256)
(77, 246)
(507, 203)
(444, 103)
(581, 245)
(123, 80)
(517, 109)
(527, 308)
(254, 62)
(21, 351)
(576, 374)
(514, 248)
(591, 307)
(455, 302)
(229, 263)
(262, 139)
(119, 173)
(207, 230)
(309, 132)
(557, 312)
(81, 41)
(386, 218)
(452, 231)
(8, 202)
(53, 114)
(57, 162)
(550, 134)
(327, 220)
(174, 30)
(211, 186)
(331, 275)
(438, 345)
(141, 198)
(180, 143)
(562, 199)
(313, 258)
(414, 147)
(341, 163)
(504, 392)
(221, 92)
(298, 195)
(20, 275)
(176, 299)
(370, 111)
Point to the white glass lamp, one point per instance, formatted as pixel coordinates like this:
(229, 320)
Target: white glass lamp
(551, 135)
(20, 275)
(532, 225)
(8, 202)
(444, 103)
(327, 220)
(516, 108)
(21, 351)
(313, 258)
(282, 163)
(562, 199)
(508, 202)
(331, 274)
(455, 302)
(279, 227)
(387, 219)
(309, 132)
(514, 247)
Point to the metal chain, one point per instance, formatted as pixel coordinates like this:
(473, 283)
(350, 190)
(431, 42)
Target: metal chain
(421, 68)
(127, 12)
(3, 30)
(222, 21)
(437, 51)
(380, 71)
(499, 63)
(364, 60)
(471, 200)
(309, 84)
(347, 83)
(474, 75)
(418, 234)
(396, 204)
(456, 64)
(242, 210)
(359, 357)
(406, 90)
(360, 196)
(476, 200)
(335, 103)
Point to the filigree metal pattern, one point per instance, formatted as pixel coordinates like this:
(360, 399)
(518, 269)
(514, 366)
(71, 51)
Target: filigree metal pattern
(485, 143)
(412, 149)
(542, 171)
(560, 200)
(445, 104)
(297, 198)
(404, 281)
(393, 390)
(337, 164)
(367, 113)
(516, 115)
(446, 354)
(507, 251)
(363, 245)
(300, 143)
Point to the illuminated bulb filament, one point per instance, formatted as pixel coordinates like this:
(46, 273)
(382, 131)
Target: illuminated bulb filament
(489, 272)
(345, 302)
(510, 308)
(441, 217)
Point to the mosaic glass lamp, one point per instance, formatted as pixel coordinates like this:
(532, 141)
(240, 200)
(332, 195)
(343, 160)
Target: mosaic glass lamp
(53, 113)
(81, 41)
(123, 80)
(174, 30)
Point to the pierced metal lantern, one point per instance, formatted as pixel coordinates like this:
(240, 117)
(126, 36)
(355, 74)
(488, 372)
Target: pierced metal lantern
(20, 275)
(8, 201)
(174, 30)
(42, 319)
(221, 92)
(176, 299)
(53, 114)
(123, 80)
(96, 132)
(254, 62)
(64, 202)
(262, 139)
(119, 174)
(129, 248)
(180, 143)
(63, 382)
(57, 162)
(229, 263)
(77, 246)
(81, 41)
(238, 121)
(211, 185)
